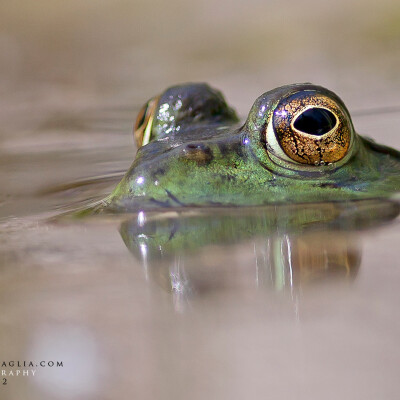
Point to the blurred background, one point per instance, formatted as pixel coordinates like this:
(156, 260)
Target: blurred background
(67, 56)
(73, 74)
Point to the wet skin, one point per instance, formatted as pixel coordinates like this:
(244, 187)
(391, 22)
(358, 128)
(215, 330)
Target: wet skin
(297, 145)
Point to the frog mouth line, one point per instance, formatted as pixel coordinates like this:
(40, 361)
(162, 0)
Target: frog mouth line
(167, 203)
(173, 198)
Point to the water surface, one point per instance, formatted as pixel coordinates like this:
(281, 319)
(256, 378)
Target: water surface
(277, 300)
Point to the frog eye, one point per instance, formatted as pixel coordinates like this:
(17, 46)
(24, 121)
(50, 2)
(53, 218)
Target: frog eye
(310, 128)
(144, 122)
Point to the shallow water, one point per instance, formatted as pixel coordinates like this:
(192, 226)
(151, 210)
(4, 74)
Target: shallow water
(303, 304)
(306, 301)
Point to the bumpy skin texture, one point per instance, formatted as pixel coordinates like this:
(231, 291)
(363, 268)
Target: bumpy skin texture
(201, 156)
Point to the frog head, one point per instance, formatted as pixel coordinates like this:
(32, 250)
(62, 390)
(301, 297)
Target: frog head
(298, 144)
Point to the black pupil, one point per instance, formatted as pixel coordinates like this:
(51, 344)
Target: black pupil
(315, 121)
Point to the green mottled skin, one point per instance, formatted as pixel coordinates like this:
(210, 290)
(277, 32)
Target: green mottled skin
(238, 169)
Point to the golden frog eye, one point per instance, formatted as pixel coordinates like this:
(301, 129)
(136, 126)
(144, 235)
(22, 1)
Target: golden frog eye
(144, 122)
(311, 128)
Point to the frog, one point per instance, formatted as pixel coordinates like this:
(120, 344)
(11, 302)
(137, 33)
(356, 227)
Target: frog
(297, 145)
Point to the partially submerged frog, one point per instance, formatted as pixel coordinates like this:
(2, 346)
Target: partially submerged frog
(297, 145)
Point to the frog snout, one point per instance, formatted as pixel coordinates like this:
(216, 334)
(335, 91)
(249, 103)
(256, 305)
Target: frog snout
(199, 152)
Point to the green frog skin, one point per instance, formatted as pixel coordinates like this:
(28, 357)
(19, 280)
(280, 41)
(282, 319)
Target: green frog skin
(298, 145)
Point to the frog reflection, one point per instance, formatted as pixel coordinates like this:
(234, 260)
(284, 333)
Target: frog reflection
(281, 248)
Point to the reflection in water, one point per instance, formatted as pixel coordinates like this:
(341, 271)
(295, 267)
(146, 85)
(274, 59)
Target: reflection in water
(195, 252)
(291, 262)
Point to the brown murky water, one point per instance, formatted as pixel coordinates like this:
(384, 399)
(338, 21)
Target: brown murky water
(282, 313)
